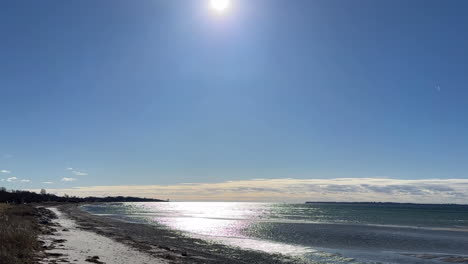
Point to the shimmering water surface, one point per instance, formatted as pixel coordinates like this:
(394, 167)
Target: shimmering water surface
(321, 233)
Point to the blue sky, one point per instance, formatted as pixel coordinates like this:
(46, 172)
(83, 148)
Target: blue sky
(168, 92)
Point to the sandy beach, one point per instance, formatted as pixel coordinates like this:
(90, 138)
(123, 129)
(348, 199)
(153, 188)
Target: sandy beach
(70, 244)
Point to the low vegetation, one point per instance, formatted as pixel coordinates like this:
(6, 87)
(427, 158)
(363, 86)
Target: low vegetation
(19, 221)
(21, 197)
(18, 234)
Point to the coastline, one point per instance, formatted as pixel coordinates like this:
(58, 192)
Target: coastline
(329, 243)
(67, 243)
(161, 244)
(67, 234)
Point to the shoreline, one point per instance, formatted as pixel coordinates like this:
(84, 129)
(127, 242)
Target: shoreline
(157, 244)
(161, 244)
(348, 243)
(67, 243)
(64, 233)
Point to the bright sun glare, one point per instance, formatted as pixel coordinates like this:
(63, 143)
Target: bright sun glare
(220, 5)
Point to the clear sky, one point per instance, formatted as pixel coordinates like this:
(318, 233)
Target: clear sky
(164, 92)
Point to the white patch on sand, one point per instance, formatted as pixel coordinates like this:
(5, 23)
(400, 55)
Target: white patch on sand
(80, 244)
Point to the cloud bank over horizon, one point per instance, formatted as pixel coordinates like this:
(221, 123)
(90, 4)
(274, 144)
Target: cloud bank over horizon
(294, 190)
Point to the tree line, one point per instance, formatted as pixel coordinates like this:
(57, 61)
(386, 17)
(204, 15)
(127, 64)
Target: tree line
(20, 197)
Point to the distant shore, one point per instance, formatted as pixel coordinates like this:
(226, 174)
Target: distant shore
(390, 203)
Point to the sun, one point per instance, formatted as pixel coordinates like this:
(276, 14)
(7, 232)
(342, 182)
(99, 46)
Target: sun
(220, 5)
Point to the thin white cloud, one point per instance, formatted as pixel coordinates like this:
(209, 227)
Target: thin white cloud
(79, 173)
(2, 179)
(5, 171)
(65, 179)
(25, 180)
(11, 179)
(76, 172)
(48, 182)
(296, 190)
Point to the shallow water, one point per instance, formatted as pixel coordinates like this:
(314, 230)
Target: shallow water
(328, 233)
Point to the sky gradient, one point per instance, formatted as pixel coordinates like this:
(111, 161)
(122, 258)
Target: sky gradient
(125, 93)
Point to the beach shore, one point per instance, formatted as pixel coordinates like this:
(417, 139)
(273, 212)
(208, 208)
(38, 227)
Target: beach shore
(63, 233)
(68, 243)
(78, 237)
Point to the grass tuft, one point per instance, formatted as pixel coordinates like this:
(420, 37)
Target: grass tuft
(18, 234)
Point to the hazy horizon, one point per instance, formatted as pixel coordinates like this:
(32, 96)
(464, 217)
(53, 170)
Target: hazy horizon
(430, 191)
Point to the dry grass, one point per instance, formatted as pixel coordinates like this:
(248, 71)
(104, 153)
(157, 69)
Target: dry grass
(3, 207)
(18, 234)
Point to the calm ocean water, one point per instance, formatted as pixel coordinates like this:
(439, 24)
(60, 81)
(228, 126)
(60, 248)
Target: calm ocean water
(320, 233)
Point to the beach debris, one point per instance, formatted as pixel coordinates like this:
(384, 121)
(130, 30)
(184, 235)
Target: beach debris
(94, 259)
(59, 240)
(54, 254)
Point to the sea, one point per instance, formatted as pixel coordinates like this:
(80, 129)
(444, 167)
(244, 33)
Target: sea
(334, 233)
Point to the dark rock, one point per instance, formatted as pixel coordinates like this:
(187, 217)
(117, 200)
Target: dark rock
(44, 221)
(164, 247)
(94, 259)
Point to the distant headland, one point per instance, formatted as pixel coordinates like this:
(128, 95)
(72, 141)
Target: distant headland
(385, 203)
(21, 197)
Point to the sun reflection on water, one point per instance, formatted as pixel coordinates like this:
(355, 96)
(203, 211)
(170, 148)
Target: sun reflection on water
(213, 219)
(226, 223)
